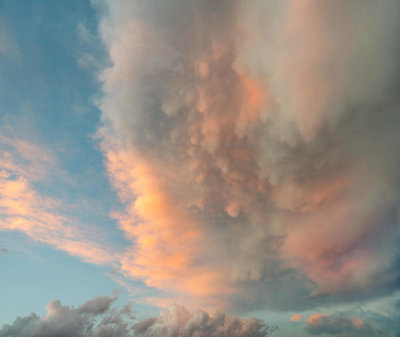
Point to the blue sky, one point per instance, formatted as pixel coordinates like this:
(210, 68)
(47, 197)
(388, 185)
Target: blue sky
(233, 156)
(47, 99)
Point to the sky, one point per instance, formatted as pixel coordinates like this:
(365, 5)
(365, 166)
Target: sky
(199, 168)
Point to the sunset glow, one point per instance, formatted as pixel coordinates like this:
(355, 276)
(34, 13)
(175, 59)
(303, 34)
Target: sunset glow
(199, 168)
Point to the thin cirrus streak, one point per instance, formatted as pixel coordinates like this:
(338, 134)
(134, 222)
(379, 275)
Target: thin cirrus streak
(255, 146)
(38, 216)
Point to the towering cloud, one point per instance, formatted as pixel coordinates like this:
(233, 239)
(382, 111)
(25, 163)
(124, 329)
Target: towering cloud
(255, 145)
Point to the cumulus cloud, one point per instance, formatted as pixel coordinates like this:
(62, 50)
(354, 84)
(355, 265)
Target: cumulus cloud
(91, 319)
(180, 322)
(255, 145)
(96, 318)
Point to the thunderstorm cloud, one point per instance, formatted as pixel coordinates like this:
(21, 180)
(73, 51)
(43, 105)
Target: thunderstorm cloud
(255, 145)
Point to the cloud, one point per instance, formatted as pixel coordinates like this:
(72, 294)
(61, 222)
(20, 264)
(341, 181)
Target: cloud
(255, 146)
(37, 215)
(8, 47)
(98, 305)
(96, 318)
(296, 318)
(179, 322)
(333, 324)
(67, 321)
(356, 323)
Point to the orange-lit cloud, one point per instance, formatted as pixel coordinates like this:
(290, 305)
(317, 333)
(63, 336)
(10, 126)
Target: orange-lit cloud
(349, 323)
(296, 318)
(168, 243)
(255, 153)
(24, 209)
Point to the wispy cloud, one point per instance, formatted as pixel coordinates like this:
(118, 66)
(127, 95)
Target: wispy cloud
(8, 47)
(39, 216)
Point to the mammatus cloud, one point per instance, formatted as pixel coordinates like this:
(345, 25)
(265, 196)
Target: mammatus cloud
(255, 145)
(96, 318)
(356, 323)
(24, 209)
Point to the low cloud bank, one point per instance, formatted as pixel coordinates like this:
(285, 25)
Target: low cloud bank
(356, 323)
(96, 318)
(180, 322)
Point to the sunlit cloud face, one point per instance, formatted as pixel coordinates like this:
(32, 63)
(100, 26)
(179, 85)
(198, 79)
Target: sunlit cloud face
(257, 158)
(296, 318)
(167, 240)
(253, 149)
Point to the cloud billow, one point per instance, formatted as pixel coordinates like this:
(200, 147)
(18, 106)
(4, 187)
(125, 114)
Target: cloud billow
(255, 146)
(64, 321)
(179, 322)
(96, 318)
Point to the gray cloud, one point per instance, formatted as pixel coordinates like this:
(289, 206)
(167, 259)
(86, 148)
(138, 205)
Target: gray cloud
(92, 319)
(179, 322)
(96, 306)
(263, 139)
(356, 323)
(99, 320)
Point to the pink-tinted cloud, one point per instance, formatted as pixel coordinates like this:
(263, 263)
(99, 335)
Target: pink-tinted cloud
(296, 318)
(255, 148)
(40, 217)
(355, 323)
(167, 241)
